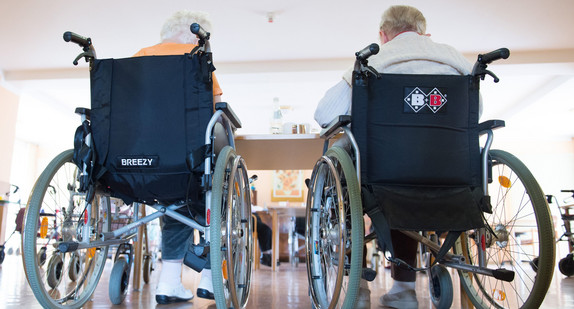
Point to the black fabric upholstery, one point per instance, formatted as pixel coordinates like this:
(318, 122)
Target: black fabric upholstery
(420, 154)
(149, 114)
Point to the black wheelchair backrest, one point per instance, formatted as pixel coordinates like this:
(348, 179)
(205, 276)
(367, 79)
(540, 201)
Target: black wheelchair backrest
(418, 130)
(149, 115)
(420, 155)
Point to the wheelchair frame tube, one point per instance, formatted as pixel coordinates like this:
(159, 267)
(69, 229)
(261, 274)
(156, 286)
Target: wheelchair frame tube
(207, 168)
(161, 211)
(170, 211)
(481, 232)
(355, 147)
(485, 152)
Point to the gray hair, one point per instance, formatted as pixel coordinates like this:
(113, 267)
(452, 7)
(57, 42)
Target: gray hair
(401, 18)
(176, 28)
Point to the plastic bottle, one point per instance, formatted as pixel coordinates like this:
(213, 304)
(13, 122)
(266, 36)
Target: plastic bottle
(277, 120)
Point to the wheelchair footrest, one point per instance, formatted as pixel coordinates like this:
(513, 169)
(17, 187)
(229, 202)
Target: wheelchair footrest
(196, 257)
(503, 274)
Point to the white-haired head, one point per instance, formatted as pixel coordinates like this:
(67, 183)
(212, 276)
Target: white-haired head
(176, 28)
(400, 18)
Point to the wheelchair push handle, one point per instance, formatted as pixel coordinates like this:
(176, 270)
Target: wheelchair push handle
(479, 70)
(362, 67)
(199, 31)
(78, 39)
(367, 52)
(568, 191)
(86, 43)
(501, 53)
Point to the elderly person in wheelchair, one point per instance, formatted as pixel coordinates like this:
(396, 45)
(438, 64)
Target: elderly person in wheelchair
(405, 163)
(176, 39)
(151, 137)
(406, 48)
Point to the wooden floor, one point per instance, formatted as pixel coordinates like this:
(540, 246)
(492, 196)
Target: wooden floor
(285, 288)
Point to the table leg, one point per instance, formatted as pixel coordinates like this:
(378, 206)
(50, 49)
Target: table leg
(465, 302)
(275, 239)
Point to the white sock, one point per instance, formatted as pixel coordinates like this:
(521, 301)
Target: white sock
(205, 282)
(170, 272)
(399, 286)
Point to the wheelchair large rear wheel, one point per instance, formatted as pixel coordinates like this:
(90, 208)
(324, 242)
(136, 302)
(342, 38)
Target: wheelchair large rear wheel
(523, 230)
(231, 248)
(57, 212)
(334, 232)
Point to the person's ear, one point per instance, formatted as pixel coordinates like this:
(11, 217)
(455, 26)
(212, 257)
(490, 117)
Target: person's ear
(383, 36)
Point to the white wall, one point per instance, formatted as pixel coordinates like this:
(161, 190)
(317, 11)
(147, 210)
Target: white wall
(8, 115)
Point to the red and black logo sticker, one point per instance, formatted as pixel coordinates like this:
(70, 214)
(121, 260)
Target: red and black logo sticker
(420, 100)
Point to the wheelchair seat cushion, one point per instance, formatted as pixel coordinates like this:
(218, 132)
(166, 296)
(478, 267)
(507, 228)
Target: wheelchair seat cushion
(149, 116)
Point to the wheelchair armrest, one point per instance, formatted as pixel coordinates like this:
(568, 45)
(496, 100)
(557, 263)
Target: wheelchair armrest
(335, 126)
(83, 111)
(490, 125)
(224, 106)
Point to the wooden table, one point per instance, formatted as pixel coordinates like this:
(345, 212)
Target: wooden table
(279, 151)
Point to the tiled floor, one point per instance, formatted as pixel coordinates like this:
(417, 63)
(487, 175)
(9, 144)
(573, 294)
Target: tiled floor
(285, 288)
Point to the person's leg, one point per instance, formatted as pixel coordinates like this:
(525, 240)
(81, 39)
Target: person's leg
(402, 294)
(205, 287)
(174, 237)
(264, 236)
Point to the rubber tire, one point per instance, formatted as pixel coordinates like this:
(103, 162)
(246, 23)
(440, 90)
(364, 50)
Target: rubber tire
(42, 256)
(566, 265)
(223, 166)
(347, 168)
(119, 281)
(147, 268)
(546, 250)
(74, 268)
(534, 264)
(440, 286)
(54, 272)
(31, 257)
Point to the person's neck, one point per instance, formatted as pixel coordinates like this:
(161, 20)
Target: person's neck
(396, 35)
(170, 41)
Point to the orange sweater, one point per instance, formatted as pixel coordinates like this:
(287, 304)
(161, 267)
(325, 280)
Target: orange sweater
(164, 49)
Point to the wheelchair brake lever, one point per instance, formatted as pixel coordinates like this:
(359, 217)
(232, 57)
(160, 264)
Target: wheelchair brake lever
(496, 79)
(88, 55)
(372, 70)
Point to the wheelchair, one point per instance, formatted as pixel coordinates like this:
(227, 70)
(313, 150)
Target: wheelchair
(413, 161)
(150, 138)
(566, 264)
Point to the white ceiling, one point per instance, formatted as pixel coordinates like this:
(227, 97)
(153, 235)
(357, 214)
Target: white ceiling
(296, 57)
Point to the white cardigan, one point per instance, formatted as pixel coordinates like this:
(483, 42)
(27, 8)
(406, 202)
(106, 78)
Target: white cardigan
(407, 53)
